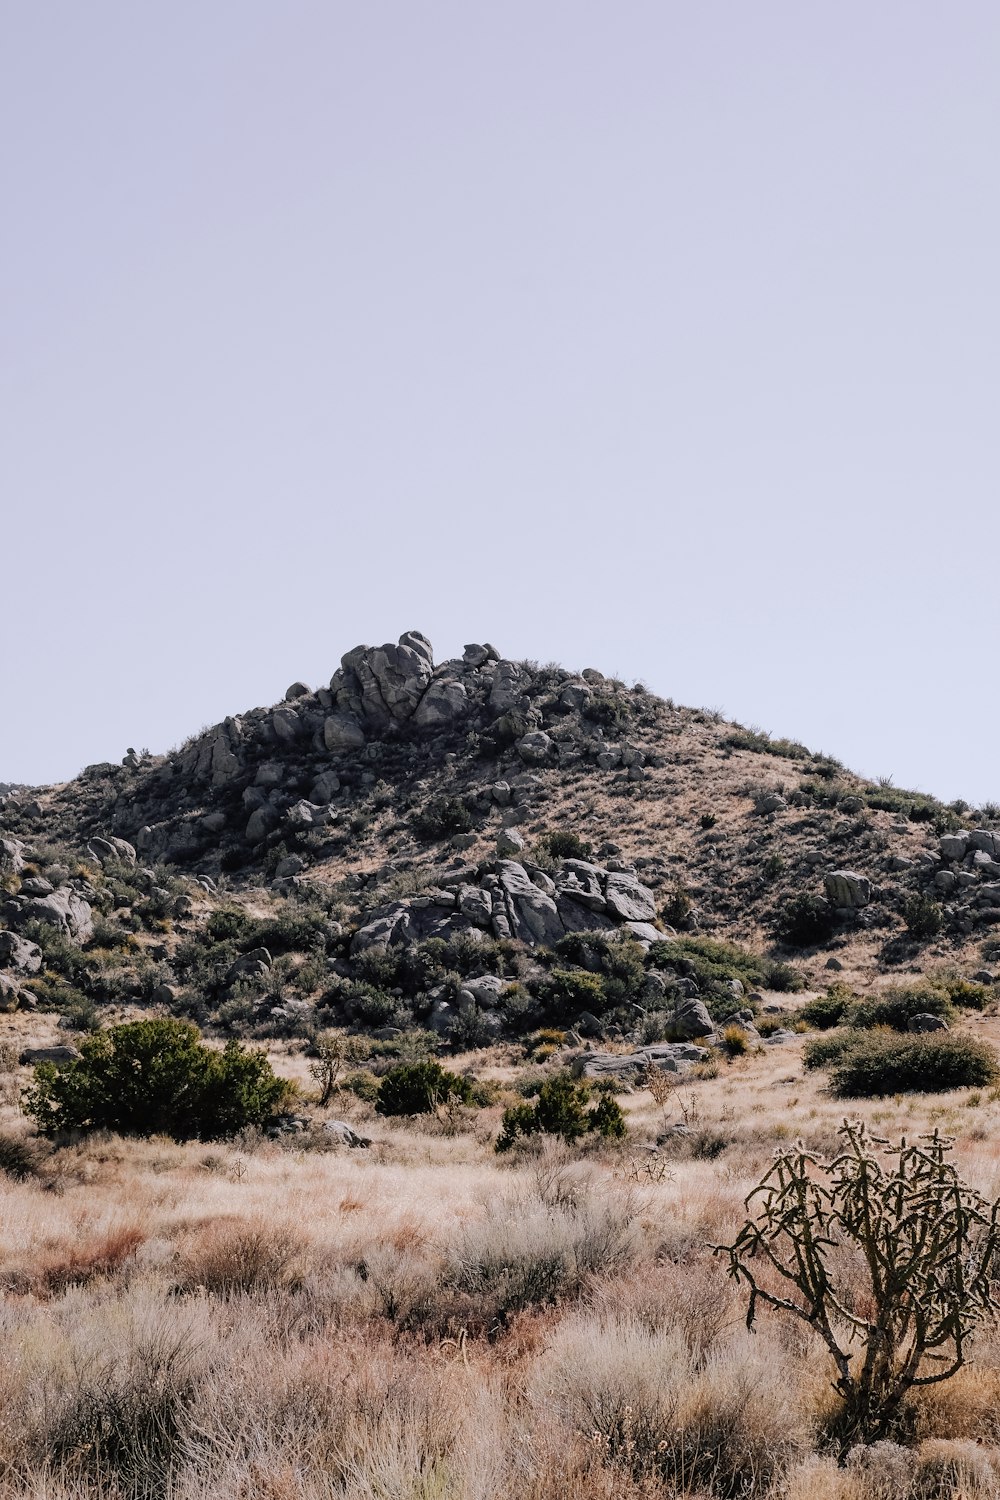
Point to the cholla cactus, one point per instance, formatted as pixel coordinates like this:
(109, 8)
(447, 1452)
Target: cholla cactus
(884, 1248)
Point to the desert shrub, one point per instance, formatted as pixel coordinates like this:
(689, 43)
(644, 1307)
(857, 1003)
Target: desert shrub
(922, 915)
(896, 1007)
(824, 1011)
(805, 920)
(709, 960)
(241, 1256)
(735, 1042)
(363, 1084)
(782, 977)
(563, 843)
(564, 993)
(20, 1155)
(471, 1028)
(678, 906)
(561, 1110)
(967, 993)
(886, 1063)
(440, 818)
(418, 1089)
(762, 743)
(155, 1077)
(828, 1049)
(880, 1247)
(608, 709)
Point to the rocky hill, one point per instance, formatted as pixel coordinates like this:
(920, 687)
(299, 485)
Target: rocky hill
(445, 846)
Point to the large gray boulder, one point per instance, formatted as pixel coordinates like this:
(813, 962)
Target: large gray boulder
(260, 823)
(18, 953)
(393, 679)
(510, 683)
(10, 993)
(691, 1019)
(346, 1135)
(11, 856)
(535, 749)
(523, 911)
(845, 888)
(31, 1056)
(288, 725)
(629, 900)
(343, 731)
(924, 1021)
(954, 845)
(987, 840)
(668, 1057)
(215, 756)
(443, 702)
(111, 849)
(68, 912)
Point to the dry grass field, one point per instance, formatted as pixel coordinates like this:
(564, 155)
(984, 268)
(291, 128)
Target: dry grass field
(427, 1320)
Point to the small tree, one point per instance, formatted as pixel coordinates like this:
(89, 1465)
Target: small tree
(923, 1243)
(155, 1077)
(421, 1088)
(560, 1110)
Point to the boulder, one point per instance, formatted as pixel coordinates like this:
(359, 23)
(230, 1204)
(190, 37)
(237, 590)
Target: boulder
(252, 965)
(510, 683)
(346, 1135)
(535, 748)
(343, 731)
(105, 849)
(303, 814)
(924, 1021)
(164, 994)
(260, 823)
(443, 702)
(31, 1056)
(954, 845)
(12, 853)
(325, 788)
(64, 909)
(10, 993)
(18, 953)
(987, 840)
(845, 888)
(486, 990)
(771, 803)
(393, 679)
(297, 690)
(509, 843)
(691, 1019)
(531, 915)
(669, 1057)
(287, 726)
(628, 899)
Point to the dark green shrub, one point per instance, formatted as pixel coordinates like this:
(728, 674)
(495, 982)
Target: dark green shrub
(707, 821)
(922, 915)
(608, 710)
(677, 908)
(966, 992)
(564, 993)
(805, 921)
(827, 1010)
(563, 843)
(886, 1063)
(828, 1049)
(440, 818)
(896, 1007)
(155, 1077)
(782, 977)
(418, 1089)
(561, 1110)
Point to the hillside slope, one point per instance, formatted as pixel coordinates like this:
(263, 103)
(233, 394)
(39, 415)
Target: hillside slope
(482, 803)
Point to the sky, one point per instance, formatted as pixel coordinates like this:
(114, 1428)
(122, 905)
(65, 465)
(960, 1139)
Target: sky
(651, 336)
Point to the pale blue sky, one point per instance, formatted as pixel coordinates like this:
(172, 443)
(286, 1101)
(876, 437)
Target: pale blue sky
(657, 337)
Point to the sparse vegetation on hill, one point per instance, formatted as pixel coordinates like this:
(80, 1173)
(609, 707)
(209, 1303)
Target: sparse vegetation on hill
(546, 970)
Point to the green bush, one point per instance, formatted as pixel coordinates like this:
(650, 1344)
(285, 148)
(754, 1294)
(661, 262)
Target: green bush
(923, 916)
(155, 1077)
(440, 818)
(827, 1010)
(563, 843)
(805, 921)
(564, 993)
(418, 1089)
(882, 1062)
(782, 977)
(561, 1110)
(896, 1007)
(823, 1051)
